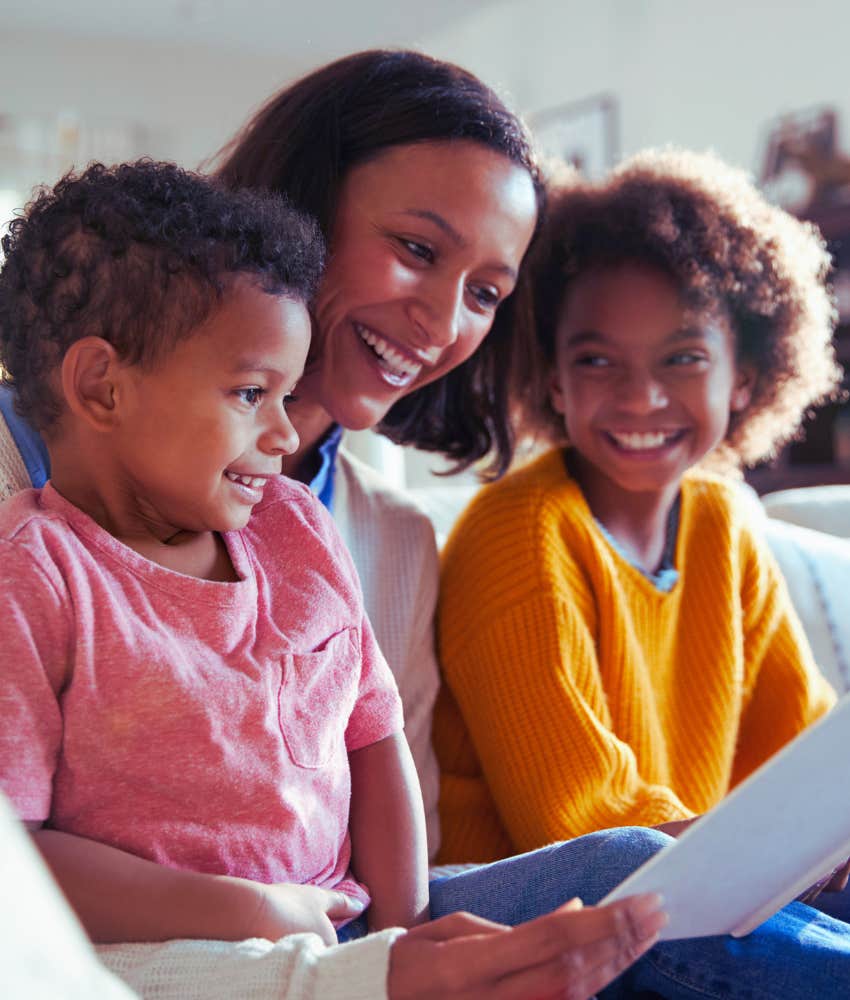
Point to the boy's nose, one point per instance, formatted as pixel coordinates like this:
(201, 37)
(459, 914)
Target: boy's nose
(280, 437)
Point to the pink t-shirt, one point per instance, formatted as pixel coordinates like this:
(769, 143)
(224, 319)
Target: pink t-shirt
(202, 725)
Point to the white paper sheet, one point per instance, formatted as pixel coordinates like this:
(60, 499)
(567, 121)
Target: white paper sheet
(767, 841)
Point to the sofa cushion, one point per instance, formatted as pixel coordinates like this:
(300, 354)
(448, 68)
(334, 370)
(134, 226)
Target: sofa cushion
(823, 508)
(816, 567)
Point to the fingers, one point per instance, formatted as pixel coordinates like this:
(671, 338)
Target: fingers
(838, 880)
(571, 953)
(456, 925)
(340, 906)
(613, 940)
(570, 949)
(595, 929)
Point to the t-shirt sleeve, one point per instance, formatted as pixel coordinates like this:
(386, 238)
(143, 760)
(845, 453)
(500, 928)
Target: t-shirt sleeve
(34, 639)
(377, 712)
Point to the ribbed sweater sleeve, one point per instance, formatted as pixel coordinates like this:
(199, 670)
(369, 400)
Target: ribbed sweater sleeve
(577, 695)
(298, 967)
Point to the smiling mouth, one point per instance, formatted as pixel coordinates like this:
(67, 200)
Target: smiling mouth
(398, 369)
(254, 482)
(647, 441)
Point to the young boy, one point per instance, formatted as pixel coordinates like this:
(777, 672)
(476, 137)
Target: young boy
(191, 687)
(617, 643)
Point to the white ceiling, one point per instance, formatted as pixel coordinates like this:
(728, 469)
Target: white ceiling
(286, 27)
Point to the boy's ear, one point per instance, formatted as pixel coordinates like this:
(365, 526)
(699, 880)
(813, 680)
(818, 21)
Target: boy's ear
(90, 371)
(556, 393)
(742, 390)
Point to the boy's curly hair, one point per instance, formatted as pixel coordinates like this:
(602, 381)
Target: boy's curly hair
(138, 254)
(703, 223)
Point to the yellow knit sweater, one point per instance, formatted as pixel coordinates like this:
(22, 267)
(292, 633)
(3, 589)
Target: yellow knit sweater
(578, 696)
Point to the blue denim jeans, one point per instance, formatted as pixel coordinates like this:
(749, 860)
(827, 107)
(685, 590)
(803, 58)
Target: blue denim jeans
(798, 953)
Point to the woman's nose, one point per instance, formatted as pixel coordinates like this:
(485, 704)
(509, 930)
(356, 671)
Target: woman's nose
(438, 312)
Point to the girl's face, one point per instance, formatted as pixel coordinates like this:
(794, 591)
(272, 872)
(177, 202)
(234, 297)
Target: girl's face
(645, 385)
(427, 241)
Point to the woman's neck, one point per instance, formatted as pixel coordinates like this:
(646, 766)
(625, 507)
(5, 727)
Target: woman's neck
(312, 422)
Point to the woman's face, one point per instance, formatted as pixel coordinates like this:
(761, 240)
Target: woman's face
(426, 243)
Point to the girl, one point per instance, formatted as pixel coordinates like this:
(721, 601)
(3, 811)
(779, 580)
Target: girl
(617, 643)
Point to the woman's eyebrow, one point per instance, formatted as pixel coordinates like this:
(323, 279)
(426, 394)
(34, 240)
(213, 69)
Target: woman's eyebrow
(455, 236)
(439, 221)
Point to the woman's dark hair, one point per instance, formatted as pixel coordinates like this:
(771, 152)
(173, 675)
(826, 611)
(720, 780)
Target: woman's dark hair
(139, 255)
(305, 140)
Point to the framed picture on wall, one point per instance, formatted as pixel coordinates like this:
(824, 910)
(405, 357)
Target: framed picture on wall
(584, 133)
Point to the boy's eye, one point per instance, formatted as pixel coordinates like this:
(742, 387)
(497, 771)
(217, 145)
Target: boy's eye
(251, 394)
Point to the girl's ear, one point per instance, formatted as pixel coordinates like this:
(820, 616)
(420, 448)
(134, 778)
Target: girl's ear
(556, 392)
(90, 377)
(742, 390)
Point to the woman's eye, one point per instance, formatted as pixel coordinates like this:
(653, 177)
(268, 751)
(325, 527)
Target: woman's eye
(419, 250)
(485, 295)
(251, 394)
(290, 397)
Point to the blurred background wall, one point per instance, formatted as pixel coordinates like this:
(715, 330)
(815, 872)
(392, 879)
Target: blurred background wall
(174, 79)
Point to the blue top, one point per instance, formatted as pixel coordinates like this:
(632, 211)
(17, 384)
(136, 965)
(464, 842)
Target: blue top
(30, 445)
(37, 461)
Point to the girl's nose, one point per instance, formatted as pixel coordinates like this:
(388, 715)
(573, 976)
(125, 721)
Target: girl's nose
(642, 393)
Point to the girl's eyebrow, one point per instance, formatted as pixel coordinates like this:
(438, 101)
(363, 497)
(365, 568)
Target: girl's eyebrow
(582, 337)
(710, 331)
(700, 331)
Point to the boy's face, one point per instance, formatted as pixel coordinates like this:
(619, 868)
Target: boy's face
(202, 433)
(646, 387)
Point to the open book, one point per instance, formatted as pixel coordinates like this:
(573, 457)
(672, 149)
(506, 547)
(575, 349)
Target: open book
(771, 838)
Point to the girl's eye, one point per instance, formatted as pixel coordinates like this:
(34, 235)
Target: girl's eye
(592, 361)
(485, 295)
(251, 394)
(686, 358)
(421, 251)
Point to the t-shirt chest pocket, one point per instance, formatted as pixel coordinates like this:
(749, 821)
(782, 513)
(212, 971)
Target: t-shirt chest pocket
(317, 693)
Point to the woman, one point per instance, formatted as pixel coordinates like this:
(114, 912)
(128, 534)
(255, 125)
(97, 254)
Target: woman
(426, 189)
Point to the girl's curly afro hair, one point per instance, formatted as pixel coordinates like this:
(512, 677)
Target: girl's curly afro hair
(138, 254)
(703, 223)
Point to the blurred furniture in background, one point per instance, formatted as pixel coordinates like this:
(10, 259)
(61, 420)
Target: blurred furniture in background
(804, 172)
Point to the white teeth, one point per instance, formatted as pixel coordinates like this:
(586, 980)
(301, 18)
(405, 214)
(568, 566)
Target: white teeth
(641, 442)
(253, 481)
(397, 364)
